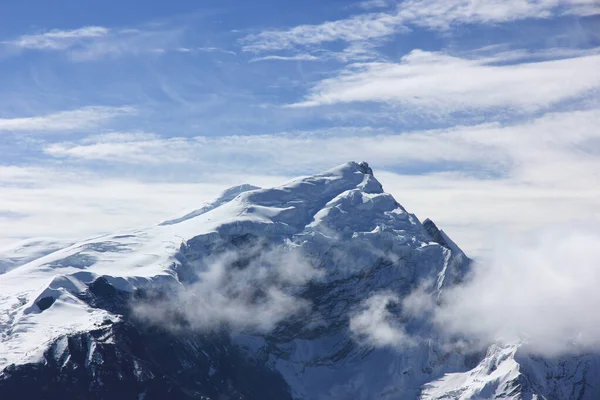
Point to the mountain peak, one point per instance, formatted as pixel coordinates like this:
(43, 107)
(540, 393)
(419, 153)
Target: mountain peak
(363, 167)
(353, 167)
(337, 237)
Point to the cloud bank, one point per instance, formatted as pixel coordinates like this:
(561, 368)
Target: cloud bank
(543, 295)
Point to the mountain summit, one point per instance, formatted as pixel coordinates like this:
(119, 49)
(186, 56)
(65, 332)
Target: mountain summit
(291, 292)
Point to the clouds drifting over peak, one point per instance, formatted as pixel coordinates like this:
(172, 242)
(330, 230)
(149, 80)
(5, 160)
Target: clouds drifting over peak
(533, 173)
(255, 297)
(540, 294)
(543, 295)
(375, 325)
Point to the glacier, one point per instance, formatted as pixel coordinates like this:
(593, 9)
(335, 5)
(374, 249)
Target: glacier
(69, 326)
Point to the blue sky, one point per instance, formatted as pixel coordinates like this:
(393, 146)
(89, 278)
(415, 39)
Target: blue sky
(480, 114)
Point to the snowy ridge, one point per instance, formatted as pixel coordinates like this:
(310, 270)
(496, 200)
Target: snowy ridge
(226, 196)
(28, 250)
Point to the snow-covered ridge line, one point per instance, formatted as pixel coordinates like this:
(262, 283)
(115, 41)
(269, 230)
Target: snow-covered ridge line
(38, 299)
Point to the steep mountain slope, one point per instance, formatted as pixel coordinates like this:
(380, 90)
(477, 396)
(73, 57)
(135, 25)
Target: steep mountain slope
(253, 297)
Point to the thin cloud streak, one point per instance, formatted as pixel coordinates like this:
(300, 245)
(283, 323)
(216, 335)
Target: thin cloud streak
(91, 43)
(358, 28)
(445, 83)
(371, 4)
(298, 57)
(58, 39)
(438, 15)
(78, 119)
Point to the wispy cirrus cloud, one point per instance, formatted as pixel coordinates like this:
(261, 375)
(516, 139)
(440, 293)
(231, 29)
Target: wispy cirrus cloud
(438, 15)
(214, 50)
(129, 42)
(357, 28)
(447, 83)
(297, 57)
(59, 39)
(94, 42)
(77, 119)
(442, 15)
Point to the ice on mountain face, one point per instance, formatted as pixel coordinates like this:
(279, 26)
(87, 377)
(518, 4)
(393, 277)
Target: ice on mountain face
(496, 377)
(28, 250)
(226, 196)
(507, 372)
(328, 242)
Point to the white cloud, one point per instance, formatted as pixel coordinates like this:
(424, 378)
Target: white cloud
(477, 182)
(375, 325)
(480, 213)
(74, 204)
(297, 57)
(370, 4)
(543, 293)
(285, 152)
(540, 293)
(95, 42)
(522, 151)
(430, 14)
(128, 148)
(441, 82)
(358, 28)
(129, 42)
(215, 49)
(252, 298)
(81, 118)
(436, 14)
(501, 54)
(59, 39)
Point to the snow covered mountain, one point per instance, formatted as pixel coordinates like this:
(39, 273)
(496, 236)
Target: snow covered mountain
(292, 292)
